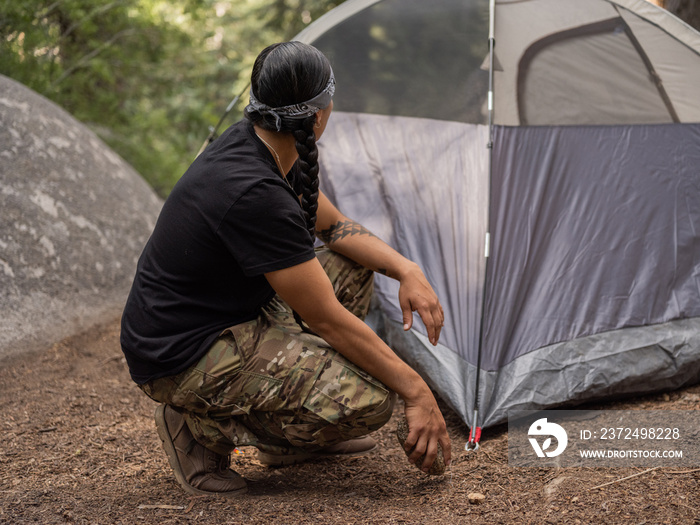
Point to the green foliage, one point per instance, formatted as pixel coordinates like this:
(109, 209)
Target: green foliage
(148, 76)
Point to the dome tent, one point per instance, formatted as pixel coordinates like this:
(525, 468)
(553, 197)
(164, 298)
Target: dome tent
(563, 136)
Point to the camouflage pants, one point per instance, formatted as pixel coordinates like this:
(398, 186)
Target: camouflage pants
(268, 384)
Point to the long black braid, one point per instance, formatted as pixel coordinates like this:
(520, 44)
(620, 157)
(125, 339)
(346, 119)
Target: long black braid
(308, 164)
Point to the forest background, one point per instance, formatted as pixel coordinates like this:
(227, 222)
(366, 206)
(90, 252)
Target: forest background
(152, 77)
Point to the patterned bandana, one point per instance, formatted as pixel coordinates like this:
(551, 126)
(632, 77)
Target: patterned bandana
(301, 110)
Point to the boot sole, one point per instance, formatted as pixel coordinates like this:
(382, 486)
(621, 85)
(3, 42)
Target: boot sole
(171, 453)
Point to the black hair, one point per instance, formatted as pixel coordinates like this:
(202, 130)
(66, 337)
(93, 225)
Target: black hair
(285, 74)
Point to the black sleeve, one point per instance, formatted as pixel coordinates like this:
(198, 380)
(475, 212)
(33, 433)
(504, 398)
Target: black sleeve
(265, 230)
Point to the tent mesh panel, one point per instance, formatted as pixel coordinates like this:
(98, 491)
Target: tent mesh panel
(412, 58)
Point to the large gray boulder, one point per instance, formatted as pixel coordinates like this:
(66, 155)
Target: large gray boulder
(74, 218)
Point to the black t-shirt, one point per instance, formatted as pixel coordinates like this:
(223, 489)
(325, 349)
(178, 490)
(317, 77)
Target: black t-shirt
(229, 219)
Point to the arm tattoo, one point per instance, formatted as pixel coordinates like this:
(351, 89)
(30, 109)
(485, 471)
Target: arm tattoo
(342, 229)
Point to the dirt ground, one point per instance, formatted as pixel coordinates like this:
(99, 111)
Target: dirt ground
(79, 446)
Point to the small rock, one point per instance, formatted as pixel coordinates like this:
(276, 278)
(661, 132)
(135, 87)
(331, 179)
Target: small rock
(475, 498)
(438, 466)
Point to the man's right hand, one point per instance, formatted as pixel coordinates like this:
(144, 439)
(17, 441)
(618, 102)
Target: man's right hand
(426, 428)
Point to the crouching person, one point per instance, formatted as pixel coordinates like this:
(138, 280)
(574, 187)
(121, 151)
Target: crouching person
(244, 332)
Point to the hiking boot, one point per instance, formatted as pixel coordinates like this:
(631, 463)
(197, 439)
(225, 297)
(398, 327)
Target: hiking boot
(197, 469)
(350, 448)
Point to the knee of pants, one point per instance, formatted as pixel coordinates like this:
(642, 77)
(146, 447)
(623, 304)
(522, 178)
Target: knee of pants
(381, 414)
(373, 417)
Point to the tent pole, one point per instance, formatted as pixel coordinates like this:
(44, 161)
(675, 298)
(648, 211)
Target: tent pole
(214, 129)
(475, 430)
